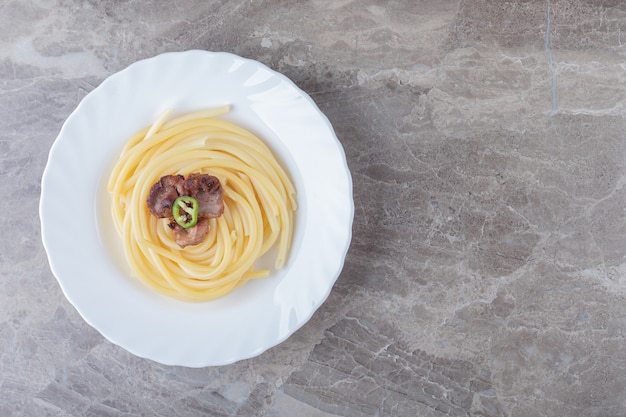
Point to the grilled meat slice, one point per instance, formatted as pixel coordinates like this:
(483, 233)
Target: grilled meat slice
(163, 193)
(207, 190)
(192, 236)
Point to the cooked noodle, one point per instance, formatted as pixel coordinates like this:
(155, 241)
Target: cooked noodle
(259, 205)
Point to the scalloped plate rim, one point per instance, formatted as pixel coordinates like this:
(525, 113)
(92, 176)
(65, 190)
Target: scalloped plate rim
(305, 313)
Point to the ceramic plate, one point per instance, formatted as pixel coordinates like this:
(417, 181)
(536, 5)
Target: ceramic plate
(85, 252)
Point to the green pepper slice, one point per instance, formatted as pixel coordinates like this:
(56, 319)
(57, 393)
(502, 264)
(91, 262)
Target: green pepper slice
(185, 211)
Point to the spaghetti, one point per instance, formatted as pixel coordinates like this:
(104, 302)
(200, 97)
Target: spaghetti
(259, 205)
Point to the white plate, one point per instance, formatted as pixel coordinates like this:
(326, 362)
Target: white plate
(84, 250)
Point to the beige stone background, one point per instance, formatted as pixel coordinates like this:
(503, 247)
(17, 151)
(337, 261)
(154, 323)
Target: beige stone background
(487, 145)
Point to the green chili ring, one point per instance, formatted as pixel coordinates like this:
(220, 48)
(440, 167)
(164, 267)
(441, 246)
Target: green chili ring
(185, 211)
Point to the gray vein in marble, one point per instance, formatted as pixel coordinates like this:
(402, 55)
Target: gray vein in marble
(555, 106)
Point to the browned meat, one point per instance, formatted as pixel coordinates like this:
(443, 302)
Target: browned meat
(207, 190)
(163, 193)
(192, 236)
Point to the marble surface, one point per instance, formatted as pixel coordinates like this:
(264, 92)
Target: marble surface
(487, 145)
